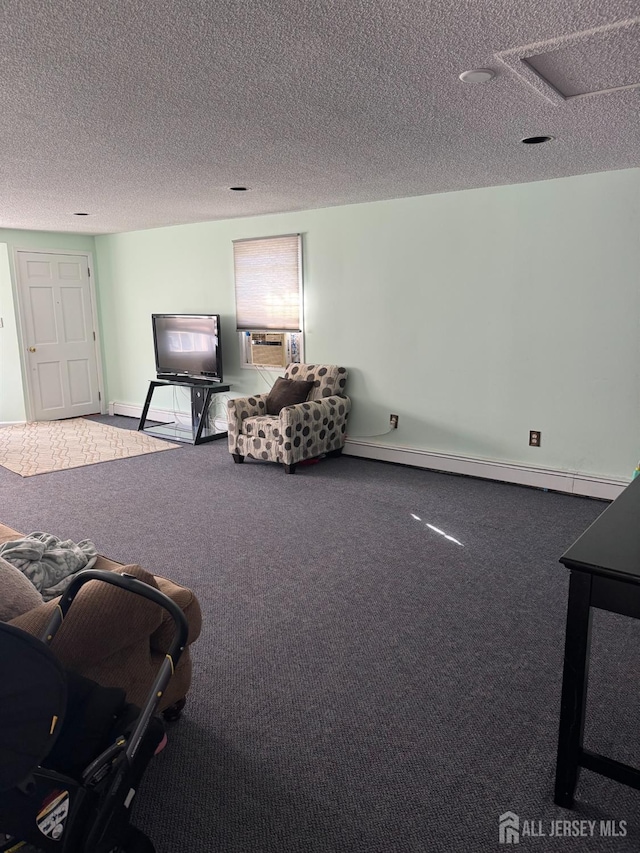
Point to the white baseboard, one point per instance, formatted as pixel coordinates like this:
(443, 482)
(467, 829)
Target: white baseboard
(163, 416)
(557, 481)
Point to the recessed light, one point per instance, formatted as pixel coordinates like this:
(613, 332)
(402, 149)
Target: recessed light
(81, 214)
(478, 75)
(239, 189)
(536, 140)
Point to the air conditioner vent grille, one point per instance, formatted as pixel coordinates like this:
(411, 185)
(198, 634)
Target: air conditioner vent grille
(268, 349)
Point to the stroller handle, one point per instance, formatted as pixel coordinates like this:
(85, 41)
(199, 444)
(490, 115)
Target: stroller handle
(131, 584)
(167, 667)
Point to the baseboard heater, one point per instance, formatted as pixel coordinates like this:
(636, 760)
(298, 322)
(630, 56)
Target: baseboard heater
(506, 472)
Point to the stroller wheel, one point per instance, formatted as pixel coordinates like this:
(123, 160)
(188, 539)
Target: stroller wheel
(138, 842)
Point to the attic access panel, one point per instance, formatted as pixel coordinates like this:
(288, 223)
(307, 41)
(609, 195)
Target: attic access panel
(593, 62)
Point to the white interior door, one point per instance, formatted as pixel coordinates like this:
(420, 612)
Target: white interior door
(58, 333)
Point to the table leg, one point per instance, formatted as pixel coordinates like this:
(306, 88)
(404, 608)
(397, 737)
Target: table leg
(145, 408)
(205, 415)
(574, 687)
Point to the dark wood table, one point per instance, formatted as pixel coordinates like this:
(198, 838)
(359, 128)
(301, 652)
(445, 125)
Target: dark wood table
(605, 573)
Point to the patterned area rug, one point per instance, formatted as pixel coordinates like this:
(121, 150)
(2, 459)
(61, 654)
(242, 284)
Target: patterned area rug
(44, 446)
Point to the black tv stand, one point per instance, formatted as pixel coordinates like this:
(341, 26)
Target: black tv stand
(200, 431)
(178, 379)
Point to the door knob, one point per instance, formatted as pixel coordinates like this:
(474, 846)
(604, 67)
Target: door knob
(32, 349)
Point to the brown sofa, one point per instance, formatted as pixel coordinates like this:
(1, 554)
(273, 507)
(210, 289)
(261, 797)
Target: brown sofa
(117, 638)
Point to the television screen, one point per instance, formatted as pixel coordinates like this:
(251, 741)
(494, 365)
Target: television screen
(187, 345)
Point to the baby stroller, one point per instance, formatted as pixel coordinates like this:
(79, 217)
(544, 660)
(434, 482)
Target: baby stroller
(72, 753)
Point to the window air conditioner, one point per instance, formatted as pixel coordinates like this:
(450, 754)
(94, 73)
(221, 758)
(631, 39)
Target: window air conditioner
(268, 350)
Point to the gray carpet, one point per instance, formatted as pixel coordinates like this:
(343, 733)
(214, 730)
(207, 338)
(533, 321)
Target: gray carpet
(362, 683)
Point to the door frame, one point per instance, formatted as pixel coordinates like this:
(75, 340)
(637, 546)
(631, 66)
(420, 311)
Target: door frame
(26, 377)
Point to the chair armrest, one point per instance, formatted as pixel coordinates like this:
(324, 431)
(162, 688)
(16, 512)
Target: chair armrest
(102, 620)
(240, 408)
(190, 606)
(313, 428)
(335, 409)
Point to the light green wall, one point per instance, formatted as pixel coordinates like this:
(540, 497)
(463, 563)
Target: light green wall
(12, 397)
(476, 316)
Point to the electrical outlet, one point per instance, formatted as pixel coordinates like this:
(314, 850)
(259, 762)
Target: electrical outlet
(535, 438)
(393, 421)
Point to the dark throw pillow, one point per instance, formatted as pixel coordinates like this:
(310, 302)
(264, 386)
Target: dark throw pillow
(287, 392)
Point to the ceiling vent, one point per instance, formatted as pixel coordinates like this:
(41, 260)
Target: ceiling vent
(593, 62)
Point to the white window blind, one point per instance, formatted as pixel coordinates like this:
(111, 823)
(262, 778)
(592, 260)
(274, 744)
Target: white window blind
(268, 275)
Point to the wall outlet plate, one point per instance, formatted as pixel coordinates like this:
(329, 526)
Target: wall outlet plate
(535, 438)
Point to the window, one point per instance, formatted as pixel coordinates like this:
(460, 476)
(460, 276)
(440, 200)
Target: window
(268, 277)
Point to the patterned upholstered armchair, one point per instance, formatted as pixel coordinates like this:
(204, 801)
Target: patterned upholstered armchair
(301, 431)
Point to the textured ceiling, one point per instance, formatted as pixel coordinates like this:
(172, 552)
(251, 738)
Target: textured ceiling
(143, 113)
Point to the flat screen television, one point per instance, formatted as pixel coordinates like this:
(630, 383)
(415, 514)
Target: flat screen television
(187, 346)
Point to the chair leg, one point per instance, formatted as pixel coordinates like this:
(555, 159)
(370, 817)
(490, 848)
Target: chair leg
(290, 469)
(336, 452)
(238, 458)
